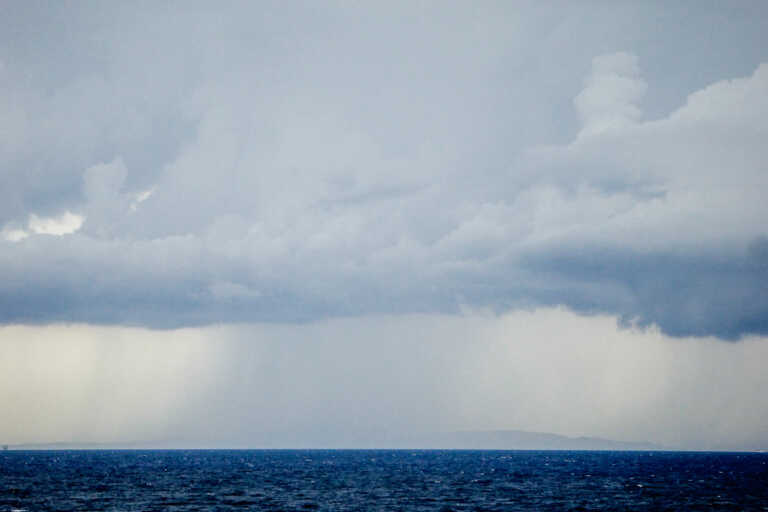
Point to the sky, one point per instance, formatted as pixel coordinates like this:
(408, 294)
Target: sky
(337, 219)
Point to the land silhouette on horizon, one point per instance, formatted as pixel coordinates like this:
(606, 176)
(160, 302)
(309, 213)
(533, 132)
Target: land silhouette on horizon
(456, 440)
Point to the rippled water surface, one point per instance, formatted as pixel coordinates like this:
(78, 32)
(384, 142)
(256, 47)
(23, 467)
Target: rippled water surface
(381, 480)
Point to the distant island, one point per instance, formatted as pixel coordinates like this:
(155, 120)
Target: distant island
(461, 440)
(524, 440)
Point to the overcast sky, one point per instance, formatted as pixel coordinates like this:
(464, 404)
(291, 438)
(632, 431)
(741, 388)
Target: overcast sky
(417, 215)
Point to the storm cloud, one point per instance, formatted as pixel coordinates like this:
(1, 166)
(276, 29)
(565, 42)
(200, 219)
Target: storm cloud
(182, 165)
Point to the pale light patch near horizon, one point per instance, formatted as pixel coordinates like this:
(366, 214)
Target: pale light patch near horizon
(79, 383)
(324, 383)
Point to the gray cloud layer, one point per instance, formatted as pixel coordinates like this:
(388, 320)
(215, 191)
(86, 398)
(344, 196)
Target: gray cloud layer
(183, 165)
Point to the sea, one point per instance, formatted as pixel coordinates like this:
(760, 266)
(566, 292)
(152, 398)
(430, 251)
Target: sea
(373, 480)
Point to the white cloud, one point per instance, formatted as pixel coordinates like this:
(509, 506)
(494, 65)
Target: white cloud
(609, 100)
(141, 197)
(693, 179)
(64, 224)
(13, 235)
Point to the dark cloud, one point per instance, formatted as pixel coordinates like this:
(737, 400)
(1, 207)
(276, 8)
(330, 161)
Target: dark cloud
(179, 165)
(684, 294)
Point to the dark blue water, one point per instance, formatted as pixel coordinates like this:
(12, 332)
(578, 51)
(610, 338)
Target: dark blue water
(381, 480)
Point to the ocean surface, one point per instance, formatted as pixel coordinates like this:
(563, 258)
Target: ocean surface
(363, 480)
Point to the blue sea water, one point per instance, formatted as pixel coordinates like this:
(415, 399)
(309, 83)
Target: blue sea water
(364, 480)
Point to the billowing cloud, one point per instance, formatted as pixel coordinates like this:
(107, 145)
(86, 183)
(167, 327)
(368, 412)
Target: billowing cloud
(256, 168)
(609, 100)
